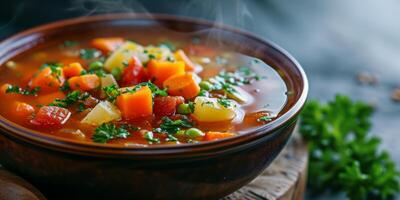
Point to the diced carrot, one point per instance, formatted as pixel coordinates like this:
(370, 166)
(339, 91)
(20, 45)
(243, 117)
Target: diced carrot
(47, 80)
(137, 104)
(181, 56)
(46, 99)
(107, 44)
(182, 85)
(67, 60)
(4, 87)
(73, 69)
(22, 109)
(84, 82)
(159, 71)
(213, 135)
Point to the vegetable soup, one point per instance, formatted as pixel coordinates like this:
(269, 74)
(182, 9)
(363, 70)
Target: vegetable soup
(115, 90)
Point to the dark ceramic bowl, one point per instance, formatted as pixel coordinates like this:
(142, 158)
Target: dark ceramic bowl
(64, 169)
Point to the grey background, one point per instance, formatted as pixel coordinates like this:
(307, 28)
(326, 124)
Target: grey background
(333, 40)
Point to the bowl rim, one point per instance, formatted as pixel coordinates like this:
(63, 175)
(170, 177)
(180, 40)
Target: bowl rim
(68, 145)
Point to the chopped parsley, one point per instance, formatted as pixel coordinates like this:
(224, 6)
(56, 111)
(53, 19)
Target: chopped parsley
(109, 131)
(170, 126)
(56, 68)
(149, 136)
(225, 102)
(168, 44)
(154, 89)
(18, 90)
(265, 118)
(70, 99)
(111, 92)
(69, 43)
(89, 53)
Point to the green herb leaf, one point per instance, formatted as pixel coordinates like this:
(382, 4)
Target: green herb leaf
(70, 99)
(225, 102)
(106, 132)
(18, 90)
(149, 136)
(343, 155)
(89, 53)
(111, 92)
(170, 126)
(69, 43)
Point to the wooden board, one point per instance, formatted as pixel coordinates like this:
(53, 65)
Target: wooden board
(284, 179)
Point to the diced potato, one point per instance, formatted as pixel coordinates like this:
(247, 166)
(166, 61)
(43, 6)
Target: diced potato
(107, 80)
(209, 110)
(123, 55)
(103, 112)
(159, 52)
(240, 95)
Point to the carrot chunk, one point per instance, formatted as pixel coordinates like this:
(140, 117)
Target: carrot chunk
(213, 135)
(181, 56)
(182, 85)
(4, 87)
(137, 104)
(160, 71)
(84, 82)
(73, 69)
(22, 109)
(107, 44)
(47, 80)
(46, 99)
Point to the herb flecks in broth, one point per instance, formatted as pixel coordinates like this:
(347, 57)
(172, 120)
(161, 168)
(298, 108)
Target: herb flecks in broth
(116, 91)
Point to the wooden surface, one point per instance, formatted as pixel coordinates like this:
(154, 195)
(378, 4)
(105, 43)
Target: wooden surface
(285, 179)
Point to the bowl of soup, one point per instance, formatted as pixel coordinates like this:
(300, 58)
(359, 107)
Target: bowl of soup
(127, 106)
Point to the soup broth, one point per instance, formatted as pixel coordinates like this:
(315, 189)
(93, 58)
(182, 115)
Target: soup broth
(139, 89)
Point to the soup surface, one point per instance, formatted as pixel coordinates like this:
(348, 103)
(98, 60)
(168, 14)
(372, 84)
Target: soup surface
(115, 90)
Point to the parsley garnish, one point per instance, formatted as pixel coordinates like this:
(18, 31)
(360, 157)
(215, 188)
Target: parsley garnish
(18, 90)
(70, 99)
(170, 126)
(89, 53)
(343, 155)
(154, 89)
(225, 102)
(106, 132)
(149, 136)
(54, 67)
(69, 43)
(168, 44)
(111, 92)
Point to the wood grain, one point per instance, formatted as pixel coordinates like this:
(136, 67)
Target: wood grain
(284, 179)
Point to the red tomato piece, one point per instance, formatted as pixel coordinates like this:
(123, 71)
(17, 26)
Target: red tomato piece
(165, 106)
(133, 74)
(51, 116)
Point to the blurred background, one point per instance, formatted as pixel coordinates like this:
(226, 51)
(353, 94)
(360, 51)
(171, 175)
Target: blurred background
(347, 47)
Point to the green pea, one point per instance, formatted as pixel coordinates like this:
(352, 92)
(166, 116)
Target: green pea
(205, 85)
(95, 65)
(194, 132)
(184, 109)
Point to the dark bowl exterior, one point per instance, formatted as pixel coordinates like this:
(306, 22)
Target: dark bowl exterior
(62, 170)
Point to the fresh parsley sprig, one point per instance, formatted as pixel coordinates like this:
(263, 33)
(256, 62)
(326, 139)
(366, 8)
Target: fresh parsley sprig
(70, 99)
(343, 156)
(109, 131)
(170, 126)
(18, 90)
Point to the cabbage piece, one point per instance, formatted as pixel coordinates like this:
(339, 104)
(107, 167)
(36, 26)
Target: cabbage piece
(103, 112)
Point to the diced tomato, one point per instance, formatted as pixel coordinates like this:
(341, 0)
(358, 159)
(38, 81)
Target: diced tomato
(49, 116)
(165, 106)
(133, 74)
